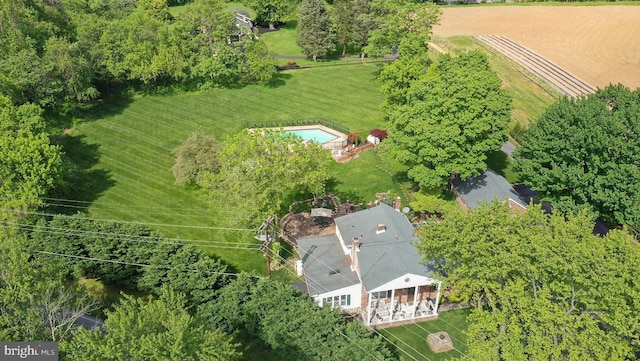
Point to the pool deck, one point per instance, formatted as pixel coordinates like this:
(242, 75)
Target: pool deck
(340, 149)
(340, 140)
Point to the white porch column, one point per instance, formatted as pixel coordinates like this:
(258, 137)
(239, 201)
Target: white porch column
(435, 308)
(368, 320)
(415, 301)
(393, 294)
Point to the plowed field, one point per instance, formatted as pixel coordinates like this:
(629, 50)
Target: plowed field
(599, 44)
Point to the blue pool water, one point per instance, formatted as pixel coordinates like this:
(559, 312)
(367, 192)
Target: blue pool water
(317, 135)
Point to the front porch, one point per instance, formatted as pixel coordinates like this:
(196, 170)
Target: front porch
(404, 304)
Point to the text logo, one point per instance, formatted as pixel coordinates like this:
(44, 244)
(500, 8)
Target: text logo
(36, 351)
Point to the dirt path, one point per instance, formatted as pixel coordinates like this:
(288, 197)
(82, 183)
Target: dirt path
(599, 44)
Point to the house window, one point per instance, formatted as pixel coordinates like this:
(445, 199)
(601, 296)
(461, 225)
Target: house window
(380, 295)
(337, 301)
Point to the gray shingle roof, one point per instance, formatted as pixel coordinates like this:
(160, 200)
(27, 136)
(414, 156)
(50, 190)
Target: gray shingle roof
(386, 256)
(325, 266)
(486, 188)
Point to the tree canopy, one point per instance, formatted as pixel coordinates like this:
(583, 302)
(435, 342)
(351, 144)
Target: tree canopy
(257, 168)
(30, 166)
(195, 157)
(544, 287)
(62, 55)
(585, 153)
(454, 115)
(315, 33)
(36, 301)
(148, 329)
(291, 324)
(404, 26)
(272, 12)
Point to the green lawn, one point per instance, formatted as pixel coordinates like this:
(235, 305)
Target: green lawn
(411, 339)
(125, 148)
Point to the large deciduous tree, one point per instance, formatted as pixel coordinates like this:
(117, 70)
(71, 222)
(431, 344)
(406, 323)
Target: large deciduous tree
(206, 31)
(404, 26)
(36, 302)
(453, 116)
(543, 287)
(291, 324)
(30, 166)
(315, 32)
(272, 12)
(196, 156)
(258, 168)
(143, 329)
(586, 152)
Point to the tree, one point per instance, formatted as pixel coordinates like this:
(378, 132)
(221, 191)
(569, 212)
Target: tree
(147, 329)
(206, 31)
(36, 303)
(187, 270)
(30, 166)
(586, 152)
(363, 23)
(124, 246)
(258, 66)
(195, 157)
(404, 26)
(543, 287)
(453, 117)
(291, 324)
(143, 48)
(344, 21)
(272, 11)
(315, 32)
(259, 167)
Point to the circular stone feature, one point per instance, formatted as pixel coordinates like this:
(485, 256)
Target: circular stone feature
(439, 342)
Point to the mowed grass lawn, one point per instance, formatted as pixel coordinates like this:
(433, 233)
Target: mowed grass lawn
(126, 148)
(411, 340)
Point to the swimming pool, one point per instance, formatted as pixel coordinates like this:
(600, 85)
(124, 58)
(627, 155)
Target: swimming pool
(315, 134)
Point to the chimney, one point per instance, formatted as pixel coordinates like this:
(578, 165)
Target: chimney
(398, 203)
(355, 248)
(381, 228)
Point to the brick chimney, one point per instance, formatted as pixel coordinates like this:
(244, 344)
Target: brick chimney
(355, 248)
(398, 204)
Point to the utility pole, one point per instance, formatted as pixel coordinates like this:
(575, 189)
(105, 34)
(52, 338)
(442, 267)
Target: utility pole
(266, 244)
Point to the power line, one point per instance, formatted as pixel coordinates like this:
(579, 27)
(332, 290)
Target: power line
(374, 330)
(135, 238)
(135, 264)
(133, 222)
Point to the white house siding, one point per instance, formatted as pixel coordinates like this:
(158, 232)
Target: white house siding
(354, 291)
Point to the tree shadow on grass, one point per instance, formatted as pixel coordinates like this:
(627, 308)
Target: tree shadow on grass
(106, 107)
(402, 177)
(503, 165)
(278, 80)
(83, 183)
(345, 196)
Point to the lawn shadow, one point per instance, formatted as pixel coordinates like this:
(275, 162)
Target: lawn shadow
(503, 165)
(83, 183)
(278, 80)
(498, 161)
(106, 107)
(345, 196)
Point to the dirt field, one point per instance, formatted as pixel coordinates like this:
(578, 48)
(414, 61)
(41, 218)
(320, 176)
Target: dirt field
(599, 44)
